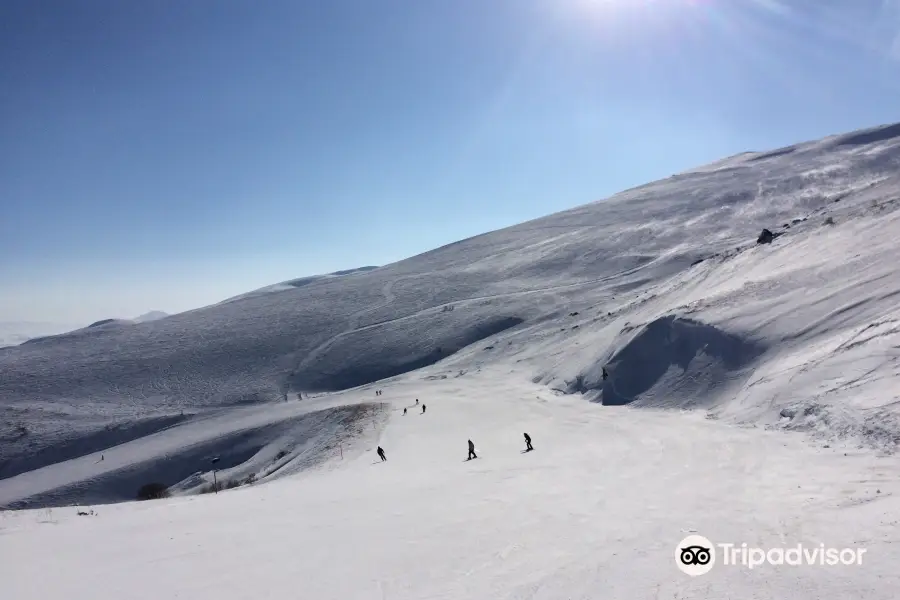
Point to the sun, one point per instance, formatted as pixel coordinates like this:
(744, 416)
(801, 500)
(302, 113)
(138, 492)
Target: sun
(610, 8)
(613, 13)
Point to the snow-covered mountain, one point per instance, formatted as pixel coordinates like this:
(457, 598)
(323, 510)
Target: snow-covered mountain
(153, 315)
(297, 283)
(713, 334)
(13, 333)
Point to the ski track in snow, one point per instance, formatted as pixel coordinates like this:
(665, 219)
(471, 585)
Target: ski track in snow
(353, 325)
(758, 386)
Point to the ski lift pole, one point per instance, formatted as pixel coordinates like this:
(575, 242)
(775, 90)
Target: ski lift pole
(215, 481)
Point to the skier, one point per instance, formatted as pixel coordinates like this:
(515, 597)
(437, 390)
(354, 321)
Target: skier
(528, 447)
(417, 401)
(381, 453)
(404, 412)
(605, 374)
(423, 409)
(471, 451)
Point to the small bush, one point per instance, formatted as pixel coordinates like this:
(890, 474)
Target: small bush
(152, 491)
(226, 484)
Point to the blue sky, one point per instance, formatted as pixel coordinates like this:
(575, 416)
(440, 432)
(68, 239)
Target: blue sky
(168, 154)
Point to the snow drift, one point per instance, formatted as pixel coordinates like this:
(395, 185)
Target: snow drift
(670, 362)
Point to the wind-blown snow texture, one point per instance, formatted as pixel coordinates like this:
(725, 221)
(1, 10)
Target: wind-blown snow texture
(663, 286)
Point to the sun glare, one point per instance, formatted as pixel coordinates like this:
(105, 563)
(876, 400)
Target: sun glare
(608, 9)
(615, 16)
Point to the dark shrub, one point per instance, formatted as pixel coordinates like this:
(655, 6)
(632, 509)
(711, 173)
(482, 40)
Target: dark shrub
(152, 491)
(209, 489)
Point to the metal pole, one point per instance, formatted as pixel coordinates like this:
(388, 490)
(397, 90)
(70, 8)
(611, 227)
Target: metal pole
(215, 481)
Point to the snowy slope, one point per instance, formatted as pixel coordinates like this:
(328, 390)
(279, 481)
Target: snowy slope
(297, 283)
(808, 321)
(663, 286)
(13, 333)
(596, 511)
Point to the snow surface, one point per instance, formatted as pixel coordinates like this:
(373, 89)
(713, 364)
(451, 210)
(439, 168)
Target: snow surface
(594, 512)
(752, 397)
(13, 333)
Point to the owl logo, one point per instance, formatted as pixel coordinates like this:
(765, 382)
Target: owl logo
(695, 555)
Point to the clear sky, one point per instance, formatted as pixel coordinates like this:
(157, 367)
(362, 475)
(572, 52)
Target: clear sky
(168, 154)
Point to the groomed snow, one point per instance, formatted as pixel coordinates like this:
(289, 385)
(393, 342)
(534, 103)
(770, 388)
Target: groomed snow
(751, 398)
(594, 512)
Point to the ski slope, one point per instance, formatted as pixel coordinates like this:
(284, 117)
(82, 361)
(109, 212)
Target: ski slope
(752, 398)
(594, 512)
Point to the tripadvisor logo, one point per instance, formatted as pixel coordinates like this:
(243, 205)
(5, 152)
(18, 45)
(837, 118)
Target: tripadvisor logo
(696, 555)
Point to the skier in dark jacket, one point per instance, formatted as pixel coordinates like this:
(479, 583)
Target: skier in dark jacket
(528, 447)
(471, 451)
(423, 409)
(404, 411)
(381, 453)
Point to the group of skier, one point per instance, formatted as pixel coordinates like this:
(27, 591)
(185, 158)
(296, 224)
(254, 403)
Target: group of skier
(528, 448)
(472, 454)
(417, 403)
